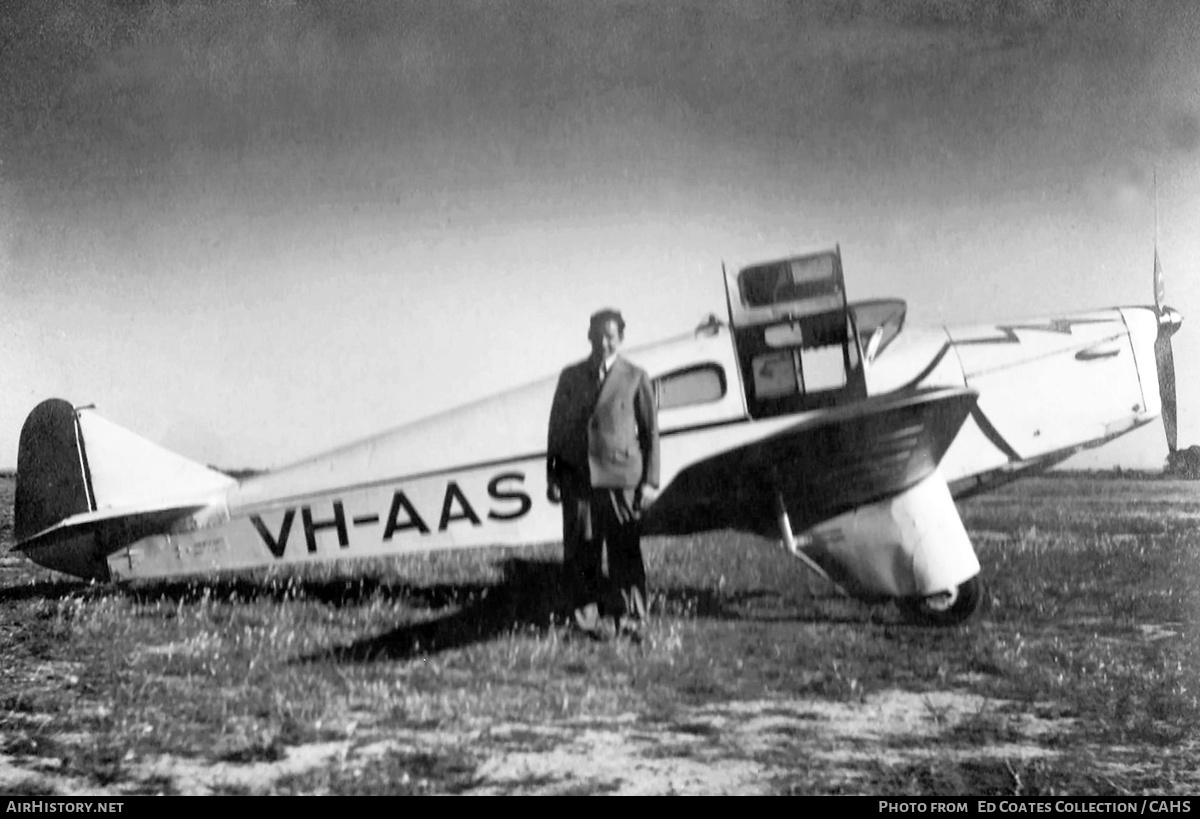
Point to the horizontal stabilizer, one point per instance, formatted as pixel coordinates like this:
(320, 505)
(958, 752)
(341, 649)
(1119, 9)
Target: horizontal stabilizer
(79, 544)
(115, 523)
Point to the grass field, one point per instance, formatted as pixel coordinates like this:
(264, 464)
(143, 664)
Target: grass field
(452, 674)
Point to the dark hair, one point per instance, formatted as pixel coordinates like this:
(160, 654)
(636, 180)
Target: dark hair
(602, 317)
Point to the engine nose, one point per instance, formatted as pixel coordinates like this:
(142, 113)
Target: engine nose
(1169, 321)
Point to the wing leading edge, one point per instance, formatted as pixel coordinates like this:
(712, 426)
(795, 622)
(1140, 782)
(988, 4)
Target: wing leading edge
(827, 463)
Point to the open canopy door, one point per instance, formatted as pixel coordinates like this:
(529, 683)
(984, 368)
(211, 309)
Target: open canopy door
(796, 342)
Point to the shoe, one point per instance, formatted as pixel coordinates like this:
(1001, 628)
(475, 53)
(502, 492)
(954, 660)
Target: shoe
(587, 620)
(630, 628)
(634, 603)
(638, 604)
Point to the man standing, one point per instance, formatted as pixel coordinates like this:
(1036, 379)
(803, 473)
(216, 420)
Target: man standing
(602, 464)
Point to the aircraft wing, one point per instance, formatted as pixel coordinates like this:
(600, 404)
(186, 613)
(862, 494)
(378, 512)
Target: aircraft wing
(828, 462)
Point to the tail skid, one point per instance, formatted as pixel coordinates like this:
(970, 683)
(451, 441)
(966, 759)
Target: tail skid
(86, 487)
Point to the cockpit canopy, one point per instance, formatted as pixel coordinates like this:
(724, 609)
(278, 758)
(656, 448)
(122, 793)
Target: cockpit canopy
(799, 344)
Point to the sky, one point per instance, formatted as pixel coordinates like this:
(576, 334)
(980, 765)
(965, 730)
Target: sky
(254, 231)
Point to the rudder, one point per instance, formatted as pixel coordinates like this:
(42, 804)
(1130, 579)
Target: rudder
(52, 474)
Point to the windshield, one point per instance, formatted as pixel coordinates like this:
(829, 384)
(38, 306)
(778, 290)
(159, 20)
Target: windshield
(878, 323)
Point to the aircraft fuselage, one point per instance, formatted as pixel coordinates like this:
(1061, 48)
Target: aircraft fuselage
(476, 476)
(829, 423)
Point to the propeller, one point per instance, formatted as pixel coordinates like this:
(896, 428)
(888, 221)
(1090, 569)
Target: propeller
(1168, 322)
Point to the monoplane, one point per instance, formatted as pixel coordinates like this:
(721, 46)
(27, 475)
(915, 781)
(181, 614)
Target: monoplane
(801, 416)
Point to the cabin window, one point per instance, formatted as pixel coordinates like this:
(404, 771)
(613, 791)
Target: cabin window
(824, 368)
(819, 363)
(688, 387)
(775, 374)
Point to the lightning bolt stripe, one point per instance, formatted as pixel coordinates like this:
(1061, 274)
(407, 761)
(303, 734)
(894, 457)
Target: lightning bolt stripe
(915, 382)
(993, 434)
(1008, 332)
(981, 420)
(985, 426)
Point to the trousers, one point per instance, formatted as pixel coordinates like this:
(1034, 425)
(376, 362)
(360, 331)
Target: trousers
(595, 519)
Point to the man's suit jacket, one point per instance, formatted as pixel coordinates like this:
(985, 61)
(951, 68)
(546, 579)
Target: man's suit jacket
(606, 435)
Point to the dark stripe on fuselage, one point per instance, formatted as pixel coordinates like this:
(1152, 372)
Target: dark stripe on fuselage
(292, 500)
(985, 426)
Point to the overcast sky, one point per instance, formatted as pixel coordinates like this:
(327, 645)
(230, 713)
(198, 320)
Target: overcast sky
(252, 231)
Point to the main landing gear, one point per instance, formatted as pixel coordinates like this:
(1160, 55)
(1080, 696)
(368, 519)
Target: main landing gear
(945, 609)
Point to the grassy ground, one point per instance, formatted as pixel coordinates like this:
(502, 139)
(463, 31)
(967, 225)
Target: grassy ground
(454, 674)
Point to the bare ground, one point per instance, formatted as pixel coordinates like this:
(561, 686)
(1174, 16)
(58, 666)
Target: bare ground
(733, 748)
(1075, 681)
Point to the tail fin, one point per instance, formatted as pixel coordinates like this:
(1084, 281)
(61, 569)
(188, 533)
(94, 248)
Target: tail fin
(86, 487)
(52, 476)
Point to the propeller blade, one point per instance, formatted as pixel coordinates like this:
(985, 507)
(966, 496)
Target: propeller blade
(1160, 286)
(1165, 360)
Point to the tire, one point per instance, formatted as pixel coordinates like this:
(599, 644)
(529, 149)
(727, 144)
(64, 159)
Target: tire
(943, 609)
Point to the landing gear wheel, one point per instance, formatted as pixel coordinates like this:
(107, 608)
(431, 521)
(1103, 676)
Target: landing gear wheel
(945, 609)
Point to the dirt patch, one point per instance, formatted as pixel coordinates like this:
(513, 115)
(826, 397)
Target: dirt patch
(742, 747)
(730, 748)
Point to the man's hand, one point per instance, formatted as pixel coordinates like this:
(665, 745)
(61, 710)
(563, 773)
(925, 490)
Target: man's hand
(644, 496)
(553, 492)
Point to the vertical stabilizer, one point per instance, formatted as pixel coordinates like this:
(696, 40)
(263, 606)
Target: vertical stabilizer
(52, 475)
(127, 471)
